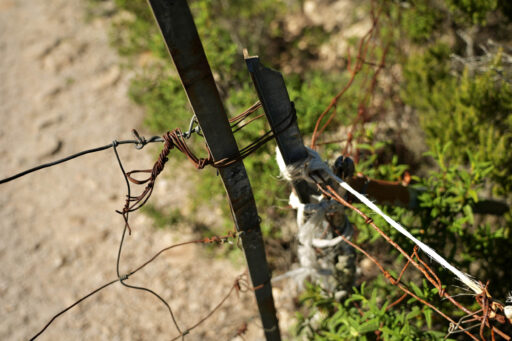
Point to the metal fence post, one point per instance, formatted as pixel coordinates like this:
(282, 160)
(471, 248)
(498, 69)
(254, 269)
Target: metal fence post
(276, 103)
(277, 106)
(179, 31)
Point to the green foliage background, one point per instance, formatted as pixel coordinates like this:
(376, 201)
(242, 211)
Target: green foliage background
(465, 116)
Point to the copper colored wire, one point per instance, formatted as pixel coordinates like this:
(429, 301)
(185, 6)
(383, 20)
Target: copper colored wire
(239, 118)
(176, 139)
(360, 61)
(403, 287)
(484, 299)
(331, 193)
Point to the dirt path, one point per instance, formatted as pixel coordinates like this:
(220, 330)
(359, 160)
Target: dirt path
(62, 91)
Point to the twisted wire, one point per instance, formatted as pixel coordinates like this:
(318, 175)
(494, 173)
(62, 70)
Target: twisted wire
(139, 143)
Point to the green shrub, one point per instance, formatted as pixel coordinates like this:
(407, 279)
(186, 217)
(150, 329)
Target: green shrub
(445, 221)
(472, 112)
(466, 120)
(364, 315)
(474, 10)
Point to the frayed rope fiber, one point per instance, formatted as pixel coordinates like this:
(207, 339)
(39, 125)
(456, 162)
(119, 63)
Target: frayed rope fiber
(306, 169)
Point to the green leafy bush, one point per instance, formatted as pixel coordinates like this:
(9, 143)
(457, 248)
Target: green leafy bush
(445, 221)
(465, 117)
(474, 10)
(365, 315)
(472, 112)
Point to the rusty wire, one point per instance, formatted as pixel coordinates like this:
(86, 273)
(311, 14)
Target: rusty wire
(355, 69)
(139, 143)
(366, 51)
(235, 121)
(125, 213)
(176, 139)
(239, 284)
(400, 285)
(491, 310)
(132, 272)
(361, 117)
(173, 139)
(281, 126)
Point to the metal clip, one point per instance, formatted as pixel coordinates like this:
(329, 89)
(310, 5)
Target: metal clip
(141, 141)
(192, 129)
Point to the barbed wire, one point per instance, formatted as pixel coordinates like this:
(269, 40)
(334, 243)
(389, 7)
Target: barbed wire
(139, 143)
(314, 170)
(172, 139)
(122, 278)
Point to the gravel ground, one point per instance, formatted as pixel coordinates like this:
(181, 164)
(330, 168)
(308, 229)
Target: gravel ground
(62, 91)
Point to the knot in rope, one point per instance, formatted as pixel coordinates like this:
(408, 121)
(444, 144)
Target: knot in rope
(304, 169)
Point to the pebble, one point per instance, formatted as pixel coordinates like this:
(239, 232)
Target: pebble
(108, 78)
(49, 146)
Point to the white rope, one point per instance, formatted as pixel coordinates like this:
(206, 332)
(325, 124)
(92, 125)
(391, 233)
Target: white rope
(310, 265)
(323, 243)
(508, 308)
(472, 284)
(314, 163)
(298, 275)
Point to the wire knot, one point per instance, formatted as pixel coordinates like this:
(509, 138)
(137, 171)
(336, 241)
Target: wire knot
(141, 140)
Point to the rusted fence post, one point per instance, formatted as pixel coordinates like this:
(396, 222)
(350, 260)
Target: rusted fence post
(179, 31)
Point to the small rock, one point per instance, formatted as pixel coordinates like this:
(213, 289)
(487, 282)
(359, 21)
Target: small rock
(49, 146)
(49, 93)
(108, 78)
(59, 262)
(47, 121)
